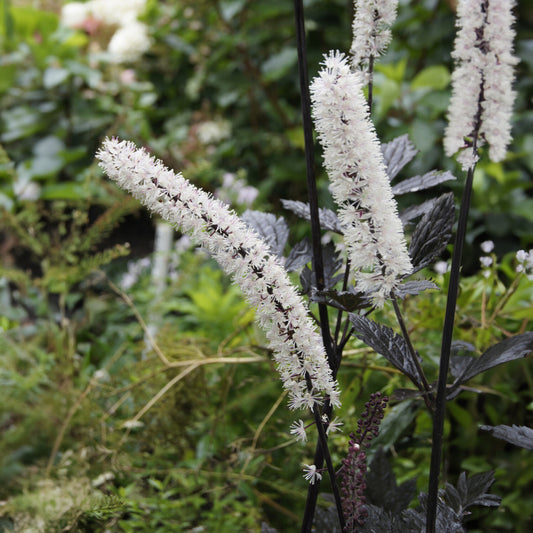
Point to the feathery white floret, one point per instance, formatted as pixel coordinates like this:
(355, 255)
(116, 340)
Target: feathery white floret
(373, 232)
(281, 312)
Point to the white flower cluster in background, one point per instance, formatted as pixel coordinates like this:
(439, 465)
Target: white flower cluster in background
(129, 41)
(482, 95)
(371, 29)
(486, 261)
(235, 191)
(280, 310)
(525, 263)
(373, 232)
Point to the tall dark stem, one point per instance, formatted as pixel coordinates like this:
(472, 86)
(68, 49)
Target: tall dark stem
(447, 334)
(318, 265)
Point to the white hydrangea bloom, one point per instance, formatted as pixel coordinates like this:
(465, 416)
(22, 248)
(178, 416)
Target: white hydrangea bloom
(119, 12)
(73, 14)
(129, 42)
(482, 94)
(373, 232)
(371, 29)
(280, 311)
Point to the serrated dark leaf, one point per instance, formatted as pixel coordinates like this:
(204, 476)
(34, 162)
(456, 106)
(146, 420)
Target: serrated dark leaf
(300, 255)
(474, 490)
(414, 287)
(448, 521)
(421, 183)
(470, 491)
(433, 232)
(397, 153)
(510, 349)
(274, 230)
(328, 219)
(382, 489)
(453, 498)
(415, 211)
(518, 435)
(345, 300)
(381, 520)
(331, 262)
(387, 343)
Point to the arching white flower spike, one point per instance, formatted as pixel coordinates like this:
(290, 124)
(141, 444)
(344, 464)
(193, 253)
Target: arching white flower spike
(280, 311)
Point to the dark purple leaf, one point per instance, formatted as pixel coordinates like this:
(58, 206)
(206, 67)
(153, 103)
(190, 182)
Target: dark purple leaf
(387, 343)
(397, 154)
(273, 230)
(510, 349)
(331, 262)
(420, 183)
(519, 435)
(433, 232)
(414, 287)
(328, 219)
(300, 255)
(345, 300)
(416, 211)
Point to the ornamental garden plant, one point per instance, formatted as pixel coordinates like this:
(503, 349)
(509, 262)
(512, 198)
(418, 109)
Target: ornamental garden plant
(334, 314)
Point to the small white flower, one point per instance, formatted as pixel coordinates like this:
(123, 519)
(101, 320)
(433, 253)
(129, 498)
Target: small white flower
(334, 425)
(298, 430)
(525, 263)
(213, 131)
(485, 261)
(487, 246)
(441, 267)
(311, 474)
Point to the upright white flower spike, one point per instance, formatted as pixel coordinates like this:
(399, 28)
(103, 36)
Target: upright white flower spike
(482, 94)
(371, 29)
(373, 232)
(280, 311)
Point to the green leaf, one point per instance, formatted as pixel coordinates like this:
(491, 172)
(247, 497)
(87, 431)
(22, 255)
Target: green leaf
(435, 78)
(54, 76)
(64, 191)
(229, 8)
(280, 64)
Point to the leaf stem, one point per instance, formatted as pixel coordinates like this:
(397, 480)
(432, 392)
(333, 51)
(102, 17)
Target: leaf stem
(423, 385)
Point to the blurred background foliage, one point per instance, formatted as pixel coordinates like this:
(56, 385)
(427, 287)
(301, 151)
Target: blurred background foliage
(216, 95)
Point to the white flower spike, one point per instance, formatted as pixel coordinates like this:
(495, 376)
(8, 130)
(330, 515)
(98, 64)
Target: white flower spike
(371, 30)
(280, 311)
(373, 232)
(482, 94)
